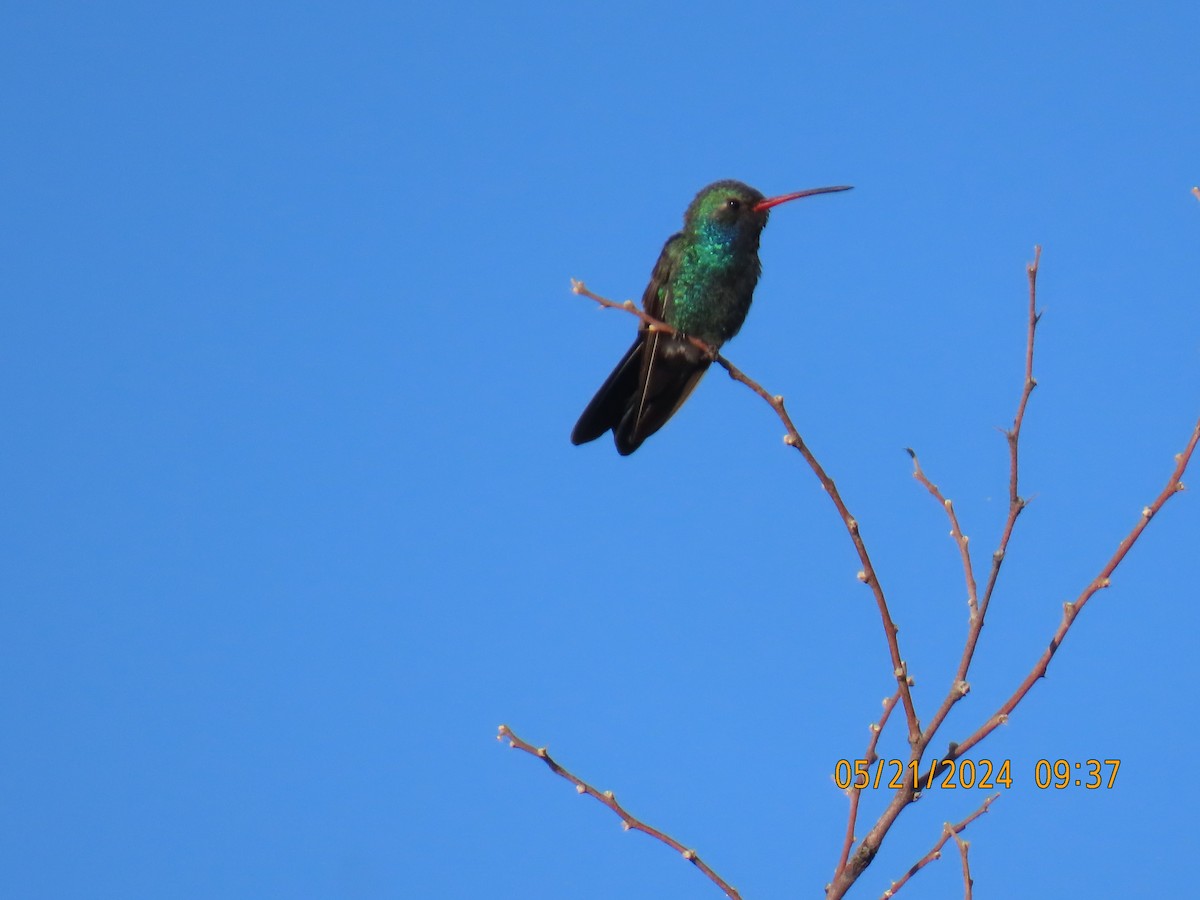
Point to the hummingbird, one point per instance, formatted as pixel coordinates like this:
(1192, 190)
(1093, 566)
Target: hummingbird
(701, 286)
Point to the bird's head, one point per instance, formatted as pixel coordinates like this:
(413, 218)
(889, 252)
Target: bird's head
(730, 212)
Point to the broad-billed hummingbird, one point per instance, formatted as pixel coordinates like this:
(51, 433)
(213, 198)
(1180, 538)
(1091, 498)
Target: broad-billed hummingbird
(701, 286)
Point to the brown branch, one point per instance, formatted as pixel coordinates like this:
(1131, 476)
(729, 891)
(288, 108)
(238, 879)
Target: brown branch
(1013, 435)
(792, 438)
(1071, 610)
(968, 883)
(628, 822)
(935, 853)
(856, 792)
(956, 533)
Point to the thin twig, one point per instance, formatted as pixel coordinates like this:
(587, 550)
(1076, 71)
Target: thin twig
(628, 822)
(578, 287)
(956, 533)
(1015, 503)
(935, 853)
(968, 883)
(792, 438)
(856, 792)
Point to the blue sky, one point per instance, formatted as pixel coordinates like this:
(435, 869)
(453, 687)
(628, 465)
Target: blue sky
(291, 517)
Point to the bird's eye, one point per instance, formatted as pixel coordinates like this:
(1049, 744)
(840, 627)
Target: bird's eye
(733, 203)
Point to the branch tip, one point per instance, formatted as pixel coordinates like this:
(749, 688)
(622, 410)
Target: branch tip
(628, 822)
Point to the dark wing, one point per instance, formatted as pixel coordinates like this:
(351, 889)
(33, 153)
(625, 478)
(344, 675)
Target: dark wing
(656, 298)
(671, 368)
(654, 376)
(608, 406)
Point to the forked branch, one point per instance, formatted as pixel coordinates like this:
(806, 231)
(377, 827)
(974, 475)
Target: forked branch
(852, 862)
(935, 852)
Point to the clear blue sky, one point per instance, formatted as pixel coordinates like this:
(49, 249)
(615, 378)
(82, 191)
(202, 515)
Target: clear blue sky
(291, 521)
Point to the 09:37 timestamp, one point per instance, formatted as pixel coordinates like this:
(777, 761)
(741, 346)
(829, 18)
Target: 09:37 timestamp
(968, 773)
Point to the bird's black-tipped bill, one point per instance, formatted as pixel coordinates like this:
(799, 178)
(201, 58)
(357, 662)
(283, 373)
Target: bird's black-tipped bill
(764, 205)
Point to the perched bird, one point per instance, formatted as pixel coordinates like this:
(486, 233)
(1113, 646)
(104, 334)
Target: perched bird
(701, 286)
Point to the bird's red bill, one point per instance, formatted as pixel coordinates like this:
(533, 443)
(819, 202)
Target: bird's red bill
(764, 205)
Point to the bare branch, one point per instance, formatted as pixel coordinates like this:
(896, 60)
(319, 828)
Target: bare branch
(1015, 503)
(578, 287)
(956, 533)
(968, 883)
(628, 822)
(936, 852)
